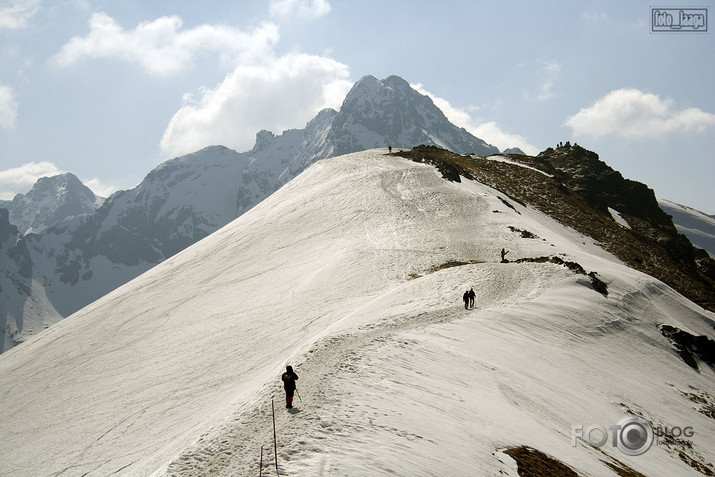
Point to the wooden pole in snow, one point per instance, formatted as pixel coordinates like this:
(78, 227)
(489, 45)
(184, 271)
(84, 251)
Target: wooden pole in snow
(275, 442)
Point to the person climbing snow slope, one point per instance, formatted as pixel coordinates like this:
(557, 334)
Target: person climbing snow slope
(289, 378)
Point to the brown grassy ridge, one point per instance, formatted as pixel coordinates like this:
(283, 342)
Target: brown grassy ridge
(534, 463)
(577, 195)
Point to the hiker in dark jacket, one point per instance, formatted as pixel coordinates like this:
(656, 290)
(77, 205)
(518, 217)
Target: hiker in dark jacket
(465, 297)
(289, 378)
(472, 295)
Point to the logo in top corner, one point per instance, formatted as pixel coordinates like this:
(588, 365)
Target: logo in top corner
(674, 19)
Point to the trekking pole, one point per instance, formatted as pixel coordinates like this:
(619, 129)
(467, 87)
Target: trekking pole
(275, 442)
(296, 391)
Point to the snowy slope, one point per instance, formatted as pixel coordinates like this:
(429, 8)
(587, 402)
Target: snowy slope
(342, 274)
(697, 226)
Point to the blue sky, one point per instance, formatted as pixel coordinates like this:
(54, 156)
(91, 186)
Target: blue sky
(110, 89)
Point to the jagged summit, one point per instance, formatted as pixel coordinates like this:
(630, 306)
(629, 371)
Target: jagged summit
(371, 90)
(385, 112)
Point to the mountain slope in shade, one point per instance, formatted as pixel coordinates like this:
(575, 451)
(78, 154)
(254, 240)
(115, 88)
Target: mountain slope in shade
(353, 273)
(24, 309)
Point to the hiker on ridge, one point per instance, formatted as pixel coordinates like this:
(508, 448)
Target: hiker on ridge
(465, 297)
(289, 378)
(472, 295)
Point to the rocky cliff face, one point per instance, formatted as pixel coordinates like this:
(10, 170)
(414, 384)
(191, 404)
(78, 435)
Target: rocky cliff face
(586, 174)
(602, 187)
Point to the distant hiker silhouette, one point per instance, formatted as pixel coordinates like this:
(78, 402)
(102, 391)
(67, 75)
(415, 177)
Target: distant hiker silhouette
(389, 149)
(465, 297)
(471, 298)
(289, 378)
(503, 256)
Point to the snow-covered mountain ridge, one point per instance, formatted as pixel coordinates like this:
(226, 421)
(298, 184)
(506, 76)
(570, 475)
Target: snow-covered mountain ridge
(353, 273)
(187, 198)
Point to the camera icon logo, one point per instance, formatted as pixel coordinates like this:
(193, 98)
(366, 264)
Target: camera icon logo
(634, 435)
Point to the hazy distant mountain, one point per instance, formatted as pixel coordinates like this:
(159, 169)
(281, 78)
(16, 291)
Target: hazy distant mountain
(51, 200)
(698, 226)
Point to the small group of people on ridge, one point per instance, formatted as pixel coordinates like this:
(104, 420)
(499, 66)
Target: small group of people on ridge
(468, 298)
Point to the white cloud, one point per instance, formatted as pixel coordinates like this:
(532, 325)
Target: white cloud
(550, 71)
(631, 113)
(488, 131)
(593, 16)
(100, 188)
(492, 133)
(8, 107)
(20, 180)
(15, 14)
(303, 9)
(161, 47)
(261, 91)
(276, 94)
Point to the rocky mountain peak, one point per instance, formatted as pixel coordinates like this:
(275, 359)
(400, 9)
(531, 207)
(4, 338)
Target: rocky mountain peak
(585, 173)
(378, 113)
(60, 182)
(51, 200)
(263, 140)
(393, 92)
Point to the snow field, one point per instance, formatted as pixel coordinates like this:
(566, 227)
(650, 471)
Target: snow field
(173, 373)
